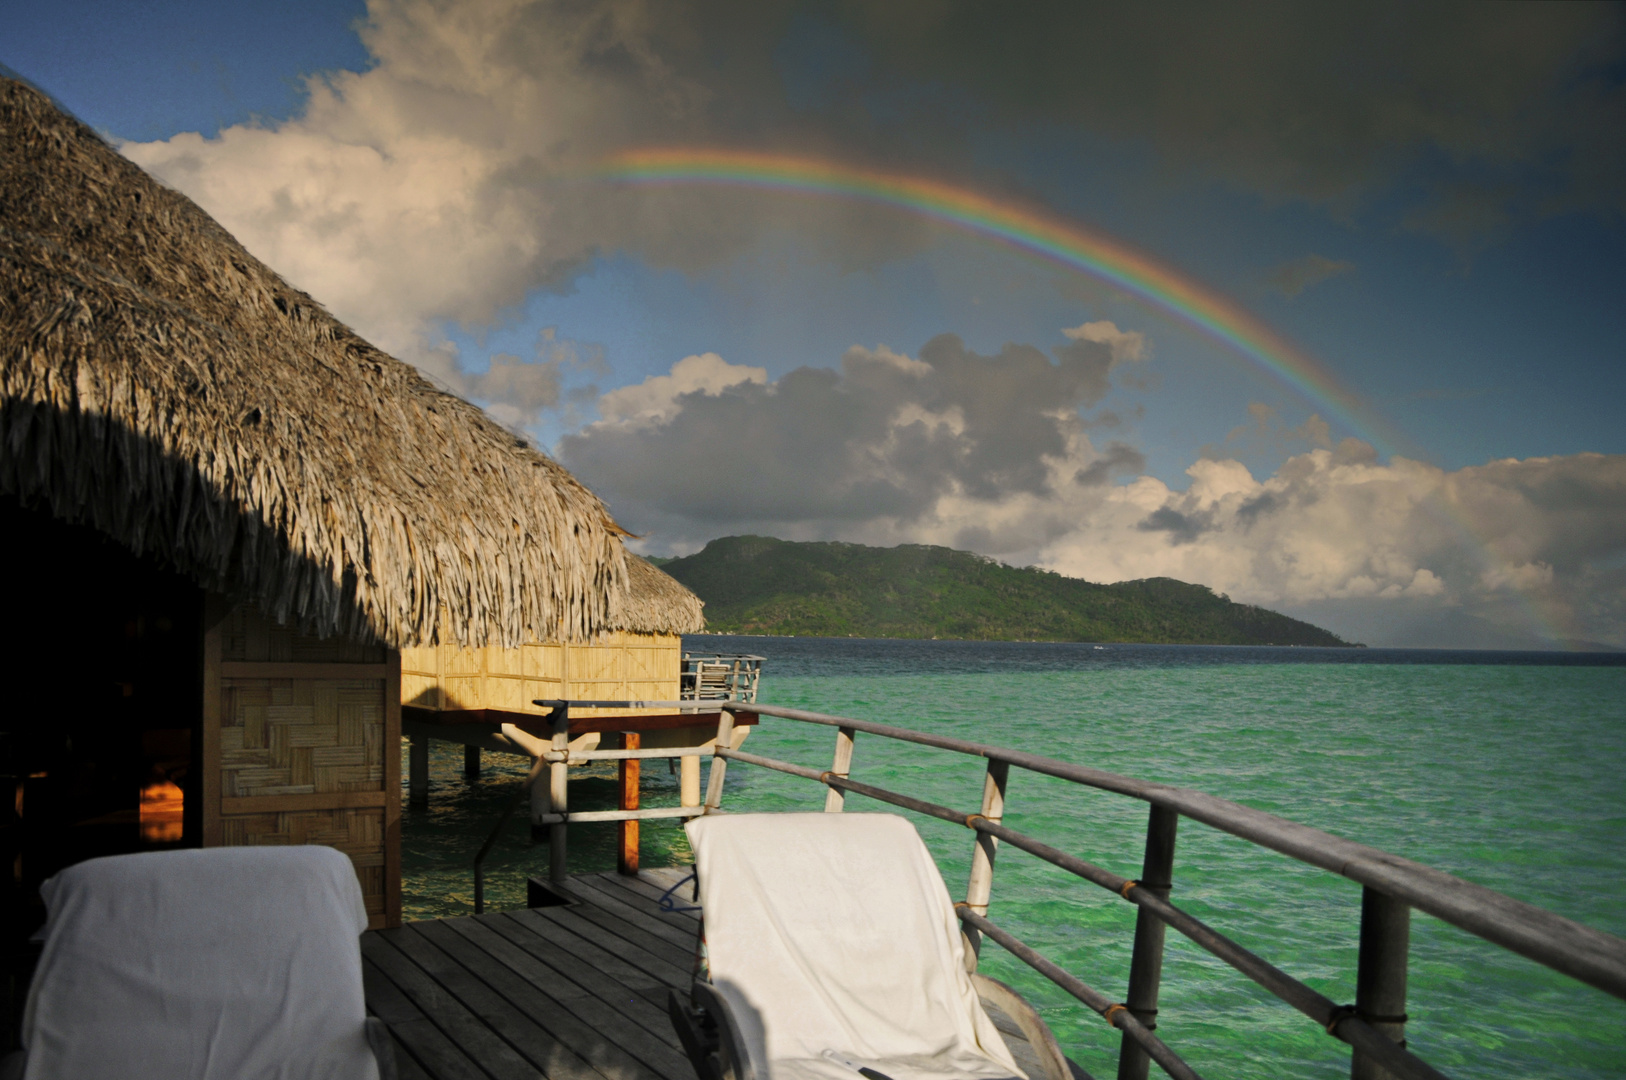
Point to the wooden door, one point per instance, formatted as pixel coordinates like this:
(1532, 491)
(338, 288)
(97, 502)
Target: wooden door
(302, 745)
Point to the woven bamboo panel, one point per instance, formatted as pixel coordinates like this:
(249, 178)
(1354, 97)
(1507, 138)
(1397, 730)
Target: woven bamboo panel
(421, 689)
(301, 736)
(248, 635)
(545, 663)
(357, 833)
(617, 665)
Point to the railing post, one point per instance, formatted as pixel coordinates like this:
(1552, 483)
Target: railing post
(558, 792)
(418, 772)
(1146, 963)
(689, 781)
(981, 886)
(1380, 975)
(719, 765)
(631, 771)
(841, 766)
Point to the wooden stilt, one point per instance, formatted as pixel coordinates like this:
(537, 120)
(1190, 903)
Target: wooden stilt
(418, 772)
(689, 781)
(631, 768)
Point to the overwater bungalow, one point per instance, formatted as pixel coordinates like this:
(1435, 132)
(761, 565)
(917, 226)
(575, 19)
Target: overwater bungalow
(230, 524)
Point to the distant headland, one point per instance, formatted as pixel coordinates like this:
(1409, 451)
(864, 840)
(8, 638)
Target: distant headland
(760, 585)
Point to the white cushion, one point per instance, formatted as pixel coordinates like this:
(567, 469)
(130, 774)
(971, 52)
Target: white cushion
(833, 932)
(221, 964)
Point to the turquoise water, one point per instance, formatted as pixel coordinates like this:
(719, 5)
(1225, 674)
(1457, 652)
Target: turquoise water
(1509, 774)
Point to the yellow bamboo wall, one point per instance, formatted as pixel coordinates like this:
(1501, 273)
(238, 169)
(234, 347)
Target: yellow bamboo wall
(615, 666)
(301, 739)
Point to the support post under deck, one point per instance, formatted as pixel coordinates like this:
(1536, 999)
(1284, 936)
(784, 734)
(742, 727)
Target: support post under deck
(1146, 964)
(418, 772)
(1380, 975)
(558, 793)
(471, 762)
(626, 862)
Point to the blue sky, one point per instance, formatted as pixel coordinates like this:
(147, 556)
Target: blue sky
(1460, 170)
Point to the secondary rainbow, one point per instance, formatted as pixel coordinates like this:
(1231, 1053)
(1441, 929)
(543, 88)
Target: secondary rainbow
(1063, 242)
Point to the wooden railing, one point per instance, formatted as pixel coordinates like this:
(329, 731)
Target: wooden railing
(1373, 1026)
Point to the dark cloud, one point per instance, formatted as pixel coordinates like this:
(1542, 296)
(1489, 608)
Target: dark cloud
(1292, 278)
(1118, 459)
(445, 182)
(1317, 101)
(886, 436)
(1182, 528)
(1253, 508)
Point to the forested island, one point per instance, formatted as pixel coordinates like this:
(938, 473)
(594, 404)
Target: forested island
(760, 585)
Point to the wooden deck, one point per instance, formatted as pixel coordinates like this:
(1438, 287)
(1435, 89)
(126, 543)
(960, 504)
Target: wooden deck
(572, 992)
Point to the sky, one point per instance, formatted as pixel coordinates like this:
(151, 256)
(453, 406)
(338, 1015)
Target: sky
(1322, 306)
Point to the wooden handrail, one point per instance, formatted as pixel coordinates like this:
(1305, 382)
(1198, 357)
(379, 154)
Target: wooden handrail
(1393, 886)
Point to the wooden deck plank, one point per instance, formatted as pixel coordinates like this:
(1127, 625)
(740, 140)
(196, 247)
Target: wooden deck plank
(428, 1047)
(615, 901)
(647, 898)
(643, 985)
(664, 876)
(539, 1046)
(619, 1050)
(622, 924)
(406, 1066)
(475, 1039)
(583, 962)
(412, 1033)
(580, 938)
(567, 993)
(590, 925)
(578, 987)
(384, 999)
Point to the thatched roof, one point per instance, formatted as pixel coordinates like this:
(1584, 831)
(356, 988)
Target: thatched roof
(161, 385)
(656, 602)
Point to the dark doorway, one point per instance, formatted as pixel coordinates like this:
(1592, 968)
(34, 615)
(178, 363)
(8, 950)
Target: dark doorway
(99, 727)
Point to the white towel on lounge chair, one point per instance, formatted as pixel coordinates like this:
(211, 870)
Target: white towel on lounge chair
(227, 964)
(834, 932)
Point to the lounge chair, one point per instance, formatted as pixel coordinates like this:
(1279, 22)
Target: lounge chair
(220, 964)
(833, 953)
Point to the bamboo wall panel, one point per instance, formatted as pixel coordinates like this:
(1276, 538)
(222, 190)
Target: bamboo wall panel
(303, 759)
(247, 635)
(301, 736)
(616, 665)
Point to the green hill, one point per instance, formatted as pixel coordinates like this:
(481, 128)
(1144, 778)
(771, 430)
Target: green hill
(759, 585)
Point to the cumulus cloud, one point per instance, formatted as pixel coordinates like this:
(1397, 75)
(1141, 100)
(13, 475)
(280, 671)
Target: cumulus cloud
(990, 453)
(1292, 278)
(879, 443)
(453, 176)
(660, 397)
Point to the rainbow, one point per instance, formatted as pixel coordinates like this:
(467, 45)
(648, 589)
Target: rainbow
(1064, 243)
(1053, 239)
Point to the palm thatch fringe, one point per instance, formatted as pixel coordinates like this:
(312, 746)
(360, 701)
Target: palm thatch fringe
(655, 603)
(161, 385)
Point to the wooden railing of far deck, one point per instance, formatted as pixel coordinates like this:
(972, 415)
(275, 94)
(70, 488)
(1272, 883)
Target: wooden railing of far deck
(1373, 1026)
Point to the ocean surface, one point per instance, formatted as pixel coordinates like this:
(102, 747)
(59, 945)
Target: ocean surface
(1508, 769)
